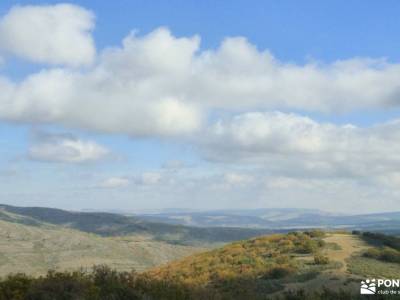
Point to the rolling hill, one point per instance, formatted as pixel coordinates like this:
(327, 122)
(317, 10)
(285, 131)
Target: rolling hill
(37, 249)
(294, 265)
(308, 265)
(312, 265)
(251, 268)
(109, 224)
(34, 240)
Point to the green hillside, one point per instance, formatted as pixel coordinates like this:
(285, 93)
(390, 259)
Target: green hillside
(108, 224)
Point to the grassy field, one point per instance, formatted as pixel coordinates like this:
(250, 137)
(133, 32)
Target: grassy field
(36, 249)
(372, 268)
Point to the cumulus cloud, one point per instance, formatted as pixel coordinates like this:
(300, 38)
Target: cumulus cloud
(64, 148)
(290, 144)
(113, 97)
(161, 85)
(115, 182)
(239, 76)
(53, 34)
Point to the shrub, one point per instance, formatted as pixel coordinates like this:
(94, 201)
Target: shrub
(307, 247)
(320, 259)
(15, 287)
(114, 285)
(60, 286)
(384, 254)
(372, 253)
(315, 233)
(390, 255)
(283, 259)
(279, 272)
(387, 240)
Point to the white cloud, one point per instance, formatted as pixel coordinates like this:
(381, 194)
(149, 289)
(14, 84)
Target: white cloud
(54, 34)
(288, 183)
(239, 76)
(161, 85)
(113, 97)
(293, 145)
(64, 148)
(237, 178)
(115, 182)
(150, 178)
(209, 189)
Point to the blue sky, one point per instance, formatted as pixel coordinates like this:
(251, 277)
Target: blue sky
(292, 113)
(327, 30)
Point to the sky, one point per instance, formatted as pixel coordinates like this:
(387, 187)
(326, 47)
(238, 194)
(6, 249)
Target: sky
(147, 105)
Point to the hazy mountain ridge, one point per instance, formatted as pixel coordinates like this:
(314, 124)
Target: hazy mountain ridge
(289, 218)
(198, 227)
(109, 224)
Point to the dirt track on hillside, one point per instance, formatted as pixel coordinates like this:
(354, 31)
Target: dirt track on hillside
(349, 244)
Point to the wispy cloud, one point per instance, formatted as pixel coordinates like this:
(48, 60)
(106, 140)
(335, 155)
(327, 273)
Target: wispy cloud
(64, 148)
(115, 182)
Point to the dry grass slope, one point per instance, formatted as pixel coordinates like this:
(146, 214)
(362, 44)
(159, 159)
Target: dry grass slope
(36, 249)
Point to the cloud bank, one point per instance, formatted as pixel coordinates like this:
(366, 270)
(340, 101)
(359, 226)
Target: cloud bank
(161, 85)
(294, 145)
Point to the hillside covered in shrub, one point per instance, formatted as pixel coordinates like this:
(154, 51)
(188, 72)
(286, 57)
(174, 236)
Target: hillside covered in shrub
(279, 266)
(264, 257)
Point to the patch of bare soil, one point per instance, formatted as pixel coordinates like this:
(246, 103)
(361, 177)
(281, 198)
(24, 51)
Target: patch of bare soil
(348, 243)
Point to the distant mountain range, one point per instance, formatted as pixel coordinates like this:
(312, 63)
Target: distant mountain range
(197, 228)
(111, 224)
(280, 219)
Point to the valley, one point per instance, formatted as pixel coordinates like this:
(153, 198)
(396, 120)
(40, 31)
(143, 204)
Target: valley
(168, 261)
